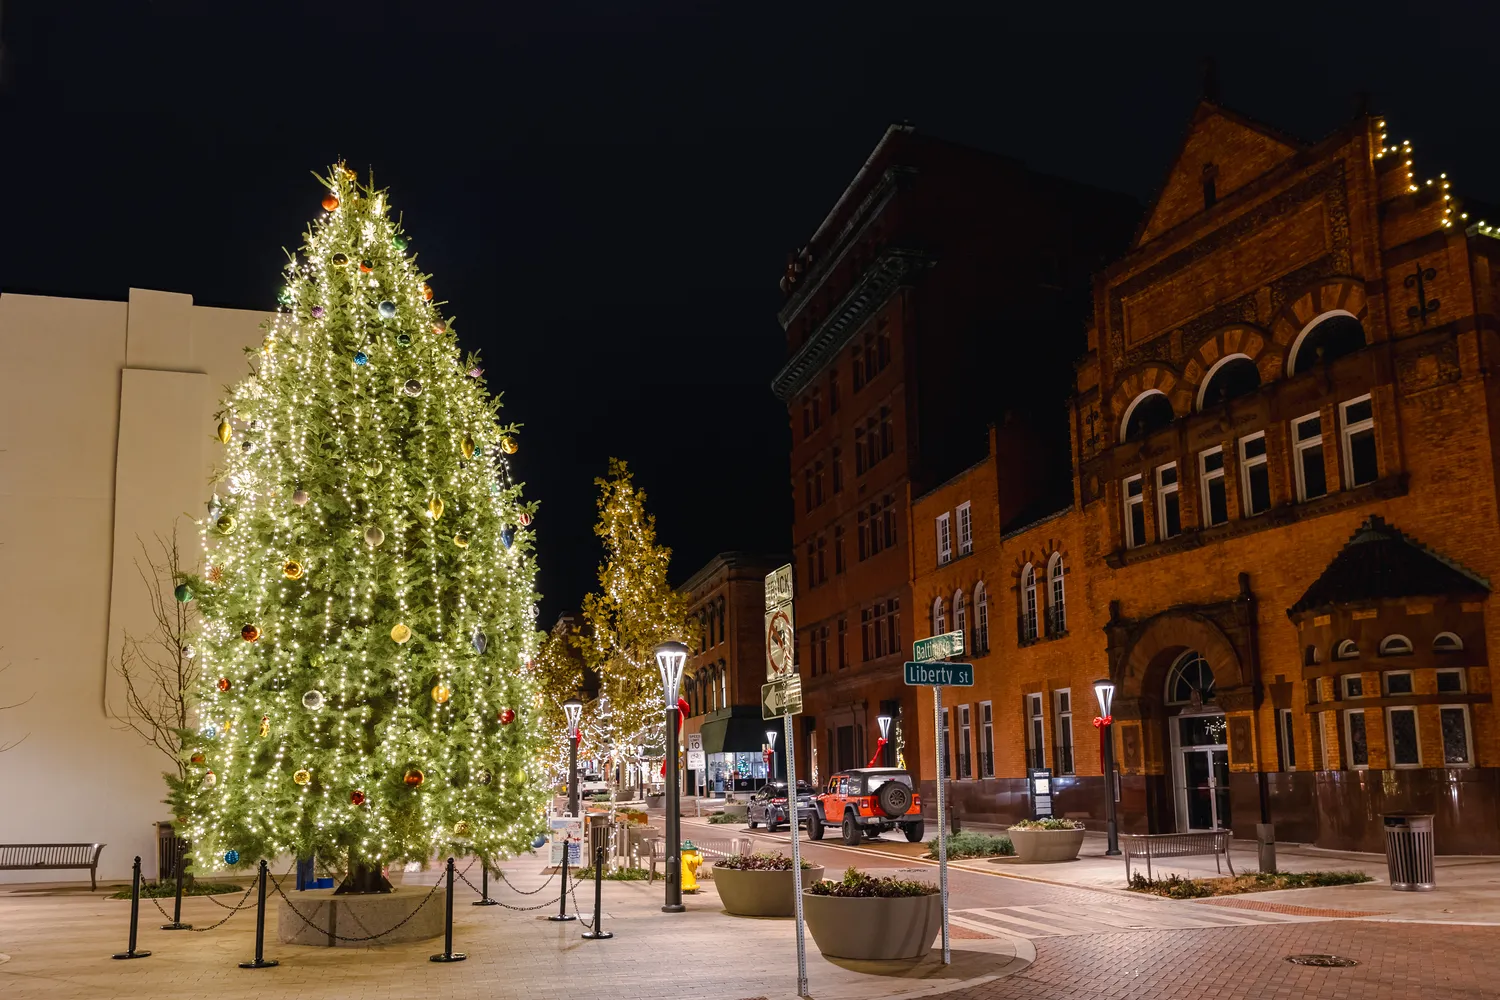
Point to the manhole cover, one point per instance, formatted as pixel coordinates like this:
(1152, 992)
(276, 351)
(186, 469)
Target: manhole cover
(1322, 961)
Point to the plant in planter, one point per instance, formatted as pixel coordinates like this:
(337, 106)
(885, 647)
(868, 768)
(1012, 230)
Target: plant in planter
(760, 885)
(1039, 840)
(874, 919)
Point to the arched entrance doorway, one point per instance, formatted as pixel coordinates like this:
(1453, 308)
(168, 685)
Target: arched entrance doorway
(1199, 740)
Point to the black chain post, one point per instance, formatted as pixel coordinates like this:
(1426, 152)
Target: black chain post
(597, 932)
(177, 924)
(261, 962)
(135, 911)
(449, 955)
(562, 900)
(484, 883)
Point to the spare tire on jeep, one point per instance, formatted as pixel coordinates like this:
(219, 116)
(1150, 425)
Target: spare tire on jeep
(894, 798)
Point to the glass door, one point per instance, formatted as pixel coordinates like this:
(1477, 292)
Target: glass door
(1202, 773)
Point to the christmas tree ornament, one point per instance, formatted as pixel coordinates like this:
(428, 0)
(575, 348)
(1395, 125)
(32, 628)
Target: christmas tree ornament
(509, 445)
(292, 570)
(225, 684)
(231, 857)
(507, 716)
(403, 340)
(400, 633)
(467, 446)
(340, 259)
(427, 292)
(484, 777)
(246, 445)
(249, 633)
(300, 498)
(210, 780)
(441, 693)
(317, 312)
(183, 593)
(216, 573)
(461, 540)
(479, 641)
(356, 798)
(188, 652)
(507, 535)
(330, 202)
(366, 267)
(226, 431)
(387, 309)
(525, 519)
(435, 508)
(474, 372)
(413, 777)
(303, 776)
(225, 524)
(438, 328)
(539, 843)
(461, 829)
(284, 296)
(361, 358)
(349, 175)
(399, 243)
(412, 387)
(374, 536)
(210, 731)
(373, 468)
(265, 726)
(312, 700)
(197, 758)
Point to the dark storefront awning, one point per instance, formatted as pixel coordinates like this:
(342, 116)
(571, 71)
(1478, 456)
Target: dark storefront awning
(741, 731)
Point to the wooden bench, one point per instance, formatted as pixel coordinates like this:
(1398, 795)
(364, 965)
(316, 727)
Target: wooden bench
(32, 857)
(1176, 845)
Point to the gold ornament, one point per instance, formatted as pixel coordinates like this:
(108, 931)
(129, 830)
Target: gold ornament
(226, 431)
(302, 777)
(350, 175)
(461, 540)
(414, 777)
(373, 468)
(215, 574)
(374, 536)
(400, 633)
(435, 508)
(468, 446)
(509, 445)
(461, 828)
(292, 570)
(441, 693)
(225, 524)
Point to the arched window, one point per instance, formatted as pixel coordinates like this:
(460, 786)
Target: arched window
(1190, 681)
(960, 613)
(1028, 603)
(723, 685)
(1331, 335)
(1395, 645)
(721, 619)
(1446, 642)
(1228, 379)
(981, 619)
(1149, 412)
(1347, 650)
(1312, 656)
(939, 619)
(1057, 603)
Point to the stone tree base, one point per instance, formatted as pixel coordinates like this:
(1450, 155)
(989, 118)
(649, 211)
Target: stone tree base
(325, 917)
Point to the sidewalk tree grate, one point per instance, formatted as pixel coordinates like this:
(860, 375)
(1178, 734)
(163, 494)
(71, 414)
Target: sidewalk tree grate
(1322, 961)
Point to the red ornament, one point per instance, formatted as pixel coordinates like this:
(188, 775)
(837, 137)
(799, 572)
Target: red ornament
(414, 777)
(249, 633)
(507, 717)
(197, 758)
(357, 797)
(224, 684)
(366, 267)
(524, 518)
(437, 328)
(330, 201)
(427, 292)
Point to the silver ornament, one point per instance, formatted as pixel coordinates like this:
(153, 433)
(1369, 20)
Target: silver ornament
(313, 700)
(374, 536)
(413, 387)
(300, 498)
(480, 641)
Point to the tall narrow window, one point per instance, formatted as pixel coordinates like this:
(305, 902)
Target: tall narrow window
(888, 519)
(944, 541)
(965, 770)
(833, 391)
(1307, 444)
(893, 623)
(887, 436)
(1028, 603)
(981, 620)
(1355, 739)
(1168, 503)
(1063, 731)
(807, 489)
(1458, 744)
(866, 636)
(838, 470)
(1255, 474)
(823, 647)
(876, 535)
(1358, 418)
(857, 362)
(986, 740)
(872, 442)
(812, 564)
(859, 451)
(1402, 726)
(817, 408)
(822, 563)
(861, 543)
(947, 746)
(1135, 512)
(838, 548)
(939, 619)
(843, 638)
(1211, 476)
(1286, 742)
(1057, 603)
(960, 613)
(965, 530)
(1036, 732)
(818, 483)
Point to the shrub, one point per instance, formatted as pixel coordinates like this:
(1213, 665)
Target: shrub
(857, 884)
(1173, 886)
(599, 797)
(1177, 887)
(973, 845)
(167, 890)
(1047, 824)
(613, 874)
(725, 817)
(762, 862)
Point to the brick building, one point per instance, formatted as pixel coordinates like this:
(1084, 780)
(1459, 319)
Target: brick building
(726, 667)
(1285, 515)
(899, 314)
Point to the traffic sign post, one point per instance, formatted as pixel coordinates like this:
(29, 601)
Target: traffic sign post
(930, 667)
(783, 697)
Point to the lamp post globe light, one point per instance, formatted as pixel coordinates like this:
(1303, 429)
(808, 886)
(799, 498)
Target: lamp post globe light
(671, 657)
(771, 739)
(885, 734)
(1104, 693)
(573, 710)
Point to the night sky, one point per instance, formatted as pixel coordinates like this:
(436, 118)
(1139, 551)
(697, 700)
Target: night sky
(606, 194)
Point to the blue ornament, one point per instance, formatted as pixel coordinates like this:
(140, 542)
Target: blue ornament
(387, 309)
(479, 642)
(210, 731)
(508, 535)
(539, 843)
(231, 857)
(361, 358)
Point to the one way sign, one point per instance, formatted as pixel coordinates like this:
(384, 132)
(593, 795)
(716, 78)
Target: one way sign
(783, 697)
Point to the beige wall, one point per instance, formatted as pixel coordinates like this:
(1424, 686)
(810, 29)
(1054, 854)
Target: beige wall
(106, 434)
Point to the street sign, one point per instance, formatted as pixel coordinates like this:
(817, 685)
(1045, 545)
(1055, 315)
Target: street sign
(938, 647)
(695, 742)
(696, 761)
(781, 635)
(939, 673)
(782, 697)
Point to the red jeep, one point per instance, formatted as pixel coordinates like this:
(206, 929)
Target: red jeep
(868, 801)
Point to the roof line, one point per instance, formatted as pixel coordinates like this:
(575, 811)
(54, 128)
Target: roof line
(859, 175)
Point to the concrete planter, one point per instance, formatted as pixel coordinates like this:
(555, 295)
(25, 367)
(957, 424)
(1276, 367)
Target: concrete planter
(1046, 845)
(875, 929)
(320, 918)
(760, 894)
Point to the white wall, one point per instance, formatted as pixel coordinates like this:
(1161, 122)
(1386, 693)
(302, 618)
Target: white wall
(106, 435)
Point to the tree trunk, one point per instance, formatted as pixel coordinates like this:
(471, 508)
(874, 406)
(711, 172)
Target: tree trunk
(362, 878)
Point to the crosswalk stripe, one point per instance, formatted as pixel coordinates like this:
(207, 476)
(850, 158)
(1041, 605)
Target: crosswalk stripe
(1065, 919)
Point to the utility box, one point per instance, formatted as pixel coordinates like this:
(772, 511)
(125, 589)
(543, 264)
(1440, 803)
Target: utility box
(1039, 781)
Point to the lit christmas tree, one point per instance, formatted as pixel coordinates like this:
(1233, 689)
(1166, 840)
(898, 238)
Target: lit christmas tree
(368, 611)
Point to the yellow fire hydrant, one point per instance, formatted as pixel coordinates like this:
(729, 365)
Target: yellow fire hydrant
(691, 861)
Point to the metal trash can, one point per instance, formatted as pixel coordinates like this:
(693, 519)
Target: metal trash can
(1409, 851)
(598, 837)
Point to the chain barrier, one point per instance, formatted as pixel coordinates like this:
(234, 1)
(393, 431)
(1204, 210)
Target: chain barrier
(515, 909)
(349, 938)
(243, 905)
(523, 892)
(586, 925)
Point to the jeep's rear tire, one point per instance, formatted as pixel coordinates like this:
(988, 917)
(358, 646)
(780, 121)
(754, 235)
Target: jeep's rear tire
(814, 827)
(914, 831)
(894, 799)
(851, 832)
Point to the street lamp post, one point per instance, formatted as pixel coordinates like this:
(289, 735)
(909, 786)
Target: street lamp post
(1104, 691)
(573, 710)
(771, 739)
(671, 657)
(885, 734)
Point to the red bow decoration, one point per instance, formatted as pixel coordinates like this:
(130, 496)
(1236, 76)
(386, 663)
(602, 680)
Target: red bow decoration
(879, 746)
(682, 713)
(1100, 721)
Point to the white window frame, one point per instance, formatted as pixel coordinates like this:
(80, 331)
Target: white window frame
(1139, 500)
(939, 616)
(1299, 446)
(1457, 646)
(1347, 431)
(1286, 739)
(1028, 604)
(1468, 734)
(987, 739)
(1385, 683)
(965, 730)
(981, 618)
(960, 614)
(1057, 595)
(1349, 715)
(1164, 492)
(1246, 464)
(965, 529)
(1390, 736)
(1463, 681)
(1396, 645)
(1062, 725)
(1344, 680)
(1206, 479)
(1036, 714)
(944, 540)
(1347, 649)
